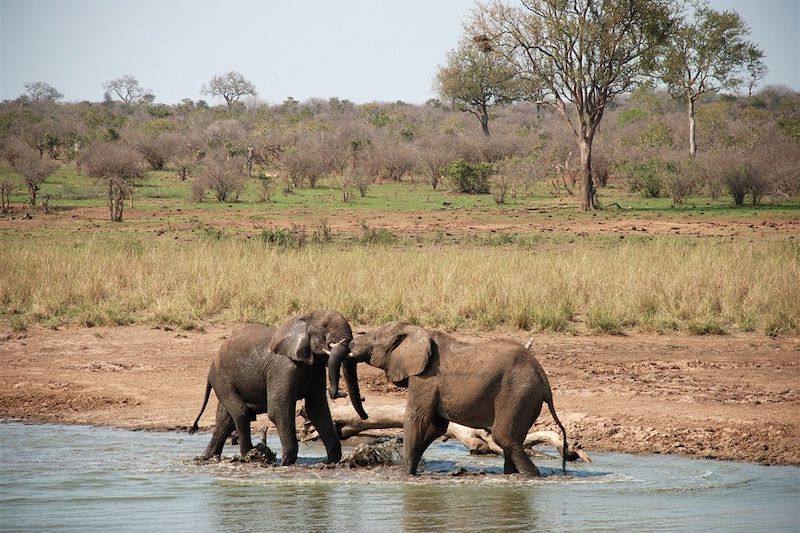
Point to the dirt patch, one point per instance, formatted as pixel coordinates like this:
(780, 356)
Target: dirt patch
(727, 397)
(452, 224)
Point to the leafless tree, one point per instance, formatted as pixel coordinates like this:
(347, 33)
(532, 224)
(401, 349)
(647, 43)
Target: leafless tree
(26, 162)
(6, 188)
(39, 91)
(126, 88)
(155, 149)
(230, 86)
(221, 174)
(116, 167)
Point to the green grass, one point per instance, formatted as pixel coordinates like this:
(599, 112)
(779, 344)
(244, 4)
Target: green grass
(162, 189)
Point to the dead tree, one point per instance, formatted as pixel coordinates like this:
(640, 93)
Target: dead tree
(477, 441)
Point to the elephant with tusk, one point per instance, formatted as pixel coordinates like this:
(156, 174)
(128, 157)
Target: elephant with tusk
(266, 370)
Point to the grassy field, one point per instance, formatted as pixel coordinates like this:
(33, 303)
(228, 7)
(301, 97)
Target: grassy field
(403, 252)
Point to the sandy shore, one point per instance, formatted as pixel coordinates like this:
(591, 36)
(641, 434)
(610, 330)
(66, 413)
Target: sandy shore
(726, 397)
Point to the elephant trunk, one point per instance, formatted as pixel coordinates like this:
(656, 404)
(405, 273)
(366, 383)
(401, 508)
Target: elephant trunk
(351, 379)
(337, 355)
(337, 359)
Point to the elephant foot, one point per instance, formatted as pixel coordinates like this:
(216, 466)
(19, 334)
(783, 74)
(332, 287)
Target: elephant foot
(203, 459)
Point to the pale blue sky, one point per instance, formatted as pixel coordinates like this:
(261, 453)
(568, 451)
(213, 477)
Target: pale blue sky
(357, 49)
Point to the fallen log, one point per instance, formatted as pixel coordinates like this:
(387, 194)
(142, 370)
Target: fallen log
(477, 441)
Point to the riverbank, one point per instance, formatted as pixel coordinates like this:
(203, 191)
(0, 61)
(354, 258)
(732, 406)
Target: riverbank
(726, 397)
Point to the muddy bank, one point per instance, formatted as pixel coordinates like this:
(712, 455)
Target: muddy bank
(726, 397)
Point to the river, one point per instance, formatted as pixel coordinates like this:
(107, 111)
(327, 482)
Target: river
(78, 478)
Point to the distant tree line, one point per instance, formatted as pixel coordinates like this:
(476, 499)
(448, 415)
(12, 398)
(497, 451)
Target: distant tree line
(540, 79)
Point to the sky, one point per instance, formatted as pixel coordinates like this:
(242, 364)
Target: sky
(361, 50)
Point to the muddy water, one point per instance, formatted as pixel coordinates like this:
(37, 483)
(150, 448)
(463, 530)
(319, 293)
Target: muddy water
(71, 478)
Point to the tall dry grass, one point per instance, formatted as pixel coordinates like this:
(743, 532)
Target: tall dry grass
(701, 287)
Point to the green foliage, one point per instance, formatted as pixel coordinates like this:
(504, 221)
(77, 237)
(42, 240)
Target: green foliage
(377, 235)
(293, 237)
(657, 134)
(648, 178)
(469, 178)
(790, 127)
(630, 116)
(157, 126)
(709, 326)
(604, 321)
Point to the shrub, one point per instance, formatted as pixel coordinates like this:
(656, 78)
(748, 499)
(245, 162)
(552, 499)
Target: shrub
(116, 167)
(647, 178)
(470, 178)
(292, 237)
(377, 235)
(224, 176)
(743, 180)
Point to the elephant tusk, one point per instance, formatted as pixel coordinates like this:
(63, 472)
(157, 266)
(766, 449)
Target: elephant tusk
(326, 352)
(529, 344)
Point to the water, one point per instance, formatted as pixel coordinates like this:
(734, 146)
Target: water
(73, 478)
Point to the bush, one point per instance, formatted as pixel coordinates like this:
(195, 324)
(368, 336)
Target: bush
(648, 178)
(376, 235)
(293, 237)
(469, 178)
(224, 176)
(744, 180)
(682, 179)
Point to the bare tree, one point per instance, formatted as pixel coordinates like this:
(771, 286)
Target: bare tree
(116, 167)
(230, 86)
(126, 88)
(708, 51)
(222, 175)
(6, 188)
(582, 53)
(39, 91)
(475, 81)
(26, 162)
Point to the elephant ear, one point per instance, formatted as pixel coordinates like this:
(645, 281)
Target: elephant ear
(410, 354)
(293, 341)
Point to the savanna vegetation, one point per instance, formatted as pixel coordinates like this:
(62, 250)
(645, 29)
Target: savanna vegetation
(497, 205)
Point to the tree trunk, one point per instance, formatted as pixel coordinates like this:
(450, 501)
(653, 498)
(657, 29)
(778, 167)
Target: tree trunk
(692, 138)
(484, 117)
(587, 193)
(32, 188)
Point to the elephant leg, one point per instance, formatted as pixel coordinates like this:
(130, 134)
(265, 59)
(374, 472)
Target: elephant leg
(508, 465)
(320, 415)
(282, 415)
(418, 433)
(223, 427)
(509, 434)
(241, 418)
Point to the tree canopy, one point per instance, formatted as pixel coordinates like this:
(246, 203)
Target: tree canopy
(230, 86)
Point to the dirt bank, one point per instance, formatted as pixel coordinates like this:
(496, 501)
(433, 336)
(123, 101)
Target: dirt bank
(727, 397)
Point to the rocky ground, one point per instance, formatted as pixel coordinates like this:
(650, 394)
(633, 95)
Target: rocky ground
(726, 397)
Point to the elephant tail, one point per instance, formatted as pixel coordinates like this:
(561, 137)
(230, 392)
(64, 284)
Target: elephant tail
(563, 432)
(195, 427)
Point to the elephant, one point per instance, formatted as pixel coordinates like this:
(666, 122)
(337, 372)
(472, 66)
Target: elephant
(264, 369)
(496, 385)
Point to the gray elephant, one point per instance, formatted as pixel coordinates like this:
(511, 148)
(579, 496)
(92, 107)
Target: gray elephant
(496, 385)
(266, 370)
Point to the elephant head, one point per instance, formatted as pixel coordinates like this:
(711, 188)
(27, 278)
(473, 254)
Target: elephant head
(400, 349)
(308, 337)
